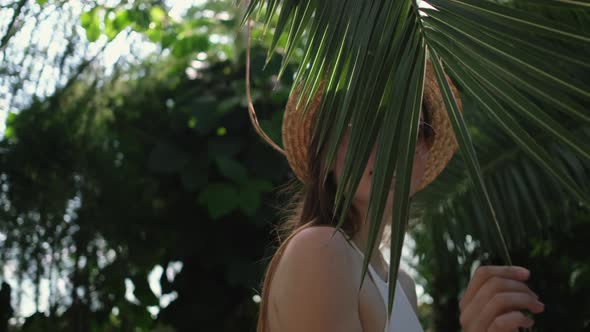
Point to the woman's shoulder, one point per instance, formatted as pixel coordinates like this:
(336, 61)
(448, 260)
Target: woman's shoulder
(314, 238)
(315, 277)
(321, 248)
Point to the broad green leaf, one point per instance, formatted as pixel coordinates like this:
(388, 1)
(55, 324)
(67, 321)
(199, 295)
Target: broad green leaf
(91, 23)
(220, 199)
(158, 15)
(231, 169)
(251, 195)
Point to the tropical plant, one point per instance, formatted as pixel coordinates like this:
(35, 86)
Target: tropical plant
(108, 172)
(543, 226)
(524, 66)
(106, 183)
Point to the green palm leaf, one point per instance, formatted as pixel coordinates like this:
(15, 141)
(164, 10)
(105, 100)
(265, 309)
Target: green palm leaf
(519, 188)
(526, 71)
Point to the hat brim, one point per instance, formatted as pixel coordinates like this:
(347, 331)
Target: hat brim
(297, 129)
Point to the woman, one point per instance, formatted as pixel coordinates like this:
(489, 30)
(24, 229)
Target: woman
(312, 280)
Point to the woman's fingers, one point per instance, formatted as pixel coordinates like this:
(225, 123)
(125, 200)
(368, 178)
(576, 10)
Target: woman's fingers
(509, 322)
(494, 298)
(493, 286)
(484, 273)
(502, 303)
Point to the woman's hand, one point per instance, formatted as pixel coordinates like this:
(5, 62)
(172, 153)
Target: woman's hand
(494, 299)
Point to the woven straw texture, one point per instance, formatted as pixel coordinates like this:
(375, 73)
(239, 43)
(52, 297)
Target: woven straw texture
(298, 129)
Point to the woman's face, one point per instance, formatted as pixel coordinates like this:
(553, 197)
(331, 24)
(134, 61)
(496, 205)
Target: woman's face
(361, 197)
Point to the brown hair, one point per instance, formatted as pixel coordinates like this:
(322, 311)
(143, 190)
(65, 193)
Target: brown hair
(312, 205)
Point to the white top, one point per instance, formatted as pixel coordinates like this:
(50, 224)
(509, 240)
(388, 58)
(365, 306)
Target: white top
(403, 316)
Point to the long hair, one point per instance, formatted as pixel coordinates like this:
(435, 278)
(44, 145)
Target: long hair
(311, 205)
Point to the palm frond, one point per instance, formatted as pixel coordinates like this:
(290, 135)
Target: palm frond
(520, 190)
(468, 153)
(516, 63)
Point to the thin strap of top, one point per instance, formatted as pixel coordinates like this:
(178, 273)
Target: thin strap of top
(374, 274)
(403, 314)
(373, 271)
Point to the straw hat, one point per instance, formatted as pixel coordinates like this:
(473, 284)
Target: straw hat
(297, 130)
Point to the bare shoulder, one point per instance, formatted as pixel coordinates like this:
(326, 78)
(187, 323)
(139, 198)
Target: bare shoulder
(314, 286)
(316, 252)
(409, 286)
(312, 239)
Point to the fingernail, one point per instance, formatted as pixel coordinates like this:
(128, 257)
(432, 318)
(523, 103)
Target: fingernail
(525, 273)
(541, 305)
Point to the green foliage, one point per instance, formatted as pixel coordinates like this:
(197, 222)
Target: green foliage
(113, 175)
(111, 21)
(543, 224)
(91, 22)
(156, 181)
(514, 60)
(148, 166)
(210, 27)
(115, 22)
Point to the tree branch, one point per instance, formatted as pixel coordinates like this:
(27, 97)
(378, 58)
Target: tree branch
(10, 31)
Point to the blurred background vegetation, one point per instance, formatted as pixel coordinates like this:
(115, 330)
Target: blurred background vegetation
(135, 195)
